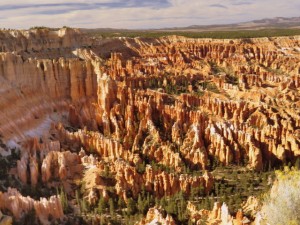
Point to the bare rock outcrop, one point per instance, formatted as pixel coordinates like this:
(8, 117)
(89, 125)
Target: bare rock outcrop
(45, 162)
(159, 183)
(155, 216)
(19, 205)
(5, 220)
(218, 216)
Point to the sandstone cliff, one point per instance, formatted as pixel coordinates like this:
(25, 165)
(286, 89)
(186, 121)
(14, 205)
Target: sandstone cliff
(128, 115)
(154, 216)
(219, 215)
(19, 205)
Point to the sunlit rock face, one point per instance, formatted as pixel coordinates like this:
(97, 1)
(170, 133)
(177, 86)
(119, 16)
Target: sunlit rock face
(252, 118)
(154, 216)
(219, 215)
(149, 110)
(19, 205)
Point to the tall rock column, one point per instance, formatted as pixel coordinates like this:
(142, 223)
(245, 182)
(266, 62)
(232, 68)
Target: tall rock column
(107, 95)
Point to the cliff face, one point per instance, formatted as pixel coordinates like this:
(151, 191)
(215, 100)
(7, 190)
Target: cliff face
(154, 216)
(43, 43)
(133, 115)
(46, 162)
(35, 89)
(247, 120)
(240, 123)
(19, 205)
(218, 215)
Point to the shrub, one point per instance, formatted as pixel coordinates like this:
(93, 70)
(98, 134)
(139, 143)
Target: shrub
(282, 206)
(231, 79)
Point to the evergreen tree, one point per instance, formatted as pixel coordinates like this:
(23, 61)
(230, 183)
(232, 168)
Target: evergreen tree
(207, 203)
(84, 206)
(63, 199)
(77, 194)
(101, 205)
(131, 206)
(121, 203)
(297, 164)
(193, 194)
(141, 204)
(111, 207)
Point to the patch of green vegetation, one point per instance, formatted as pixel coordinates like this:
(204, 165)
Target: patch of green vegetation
(28, 218)
(63, 199)
(215, 69)
(107, 173)
(71, 129)
(209, 86)
(271, 70)
(183, 87)
(234, 185)
(199, 93)
(141, 167)
(177, 89)
(159, 167)
(170, 88)
(43, 28)
(238, 34)
(231, 79)
(38, 28)
(8, 162)
(176, 206)
(212, 87)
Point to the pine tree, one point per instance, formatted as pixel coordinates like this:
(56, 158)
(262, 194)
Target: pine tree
(270, 166)
(181, 209)
(297, 164)
(207, 203)
(111, 207)
(121, 203)
(131, 206)
(84, 206)
(163, 202)
(101, 205)
(77, 194)
(63, 199)
(140, 204)
(193, 194)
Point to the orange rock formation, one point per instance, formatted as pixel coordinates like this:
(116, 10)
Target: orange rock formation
(19, 205)
(74, 104)
(155, 216)
(218, 216)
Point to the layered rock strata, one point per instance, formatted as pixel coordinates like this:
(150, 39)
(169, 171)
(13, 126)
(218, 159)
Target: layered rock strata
(218, 216)
(155, 216)
(151, 110)
(19, 205)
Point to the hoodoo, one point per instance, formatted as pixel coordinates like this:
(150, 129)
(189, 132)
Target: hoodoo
(90, 126)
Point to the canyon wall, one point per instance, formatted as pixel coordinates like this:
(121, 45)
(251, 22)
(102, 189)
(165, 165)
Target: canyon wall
(233, 125)
(128, 115)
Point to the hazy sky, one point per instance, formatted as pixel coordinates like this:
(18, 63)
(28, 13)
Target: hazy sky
(139, 13)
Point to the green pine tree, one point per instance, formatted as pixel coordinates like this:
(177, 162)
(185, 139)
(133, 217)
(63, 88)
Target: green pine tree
(101, 206)
(131, 207)
(111, 207)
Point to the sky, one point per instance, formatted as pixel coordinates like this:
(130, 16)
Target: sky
(139, 14)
